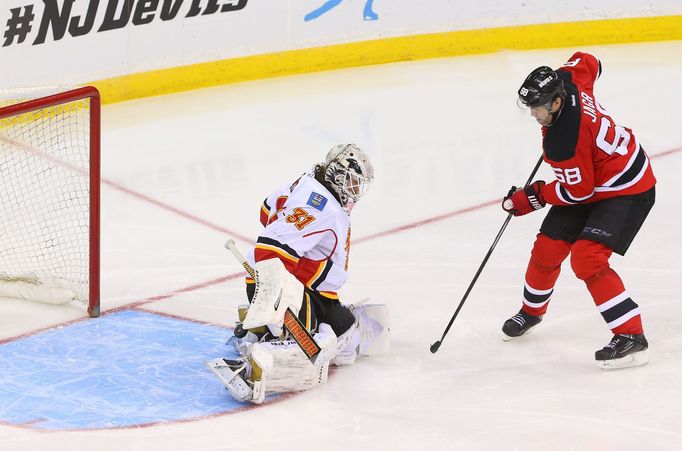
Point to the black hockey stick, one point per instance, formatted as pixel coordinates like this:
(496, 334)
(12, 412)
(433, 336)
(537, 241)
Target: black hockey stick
(436, 345)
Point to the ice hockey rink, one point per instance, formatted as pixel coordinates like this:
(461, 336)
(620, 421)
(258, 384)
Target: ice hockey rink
(182, 173)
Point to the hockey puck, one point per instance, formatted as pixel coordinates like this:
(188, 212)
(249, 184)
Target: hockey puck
(239, 331)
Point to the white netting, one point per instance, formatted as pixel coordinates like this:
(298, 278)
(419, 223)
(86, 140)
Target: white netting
(45, 193)
(17, 95)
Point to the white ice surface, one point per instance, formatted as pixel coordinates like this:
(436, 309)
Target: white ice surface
(445, 135)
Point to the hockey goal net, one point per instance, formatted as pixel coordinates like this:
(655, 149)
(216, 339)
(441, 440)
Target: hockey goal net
(49, 195)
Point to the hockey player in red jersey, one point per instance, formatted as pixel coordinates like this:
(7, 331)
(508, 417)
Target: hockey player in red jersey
(300, 262)
(603, 192)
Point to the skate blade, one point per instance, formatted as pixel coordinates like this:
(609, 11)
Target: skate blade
(506, 337)
(634, 359)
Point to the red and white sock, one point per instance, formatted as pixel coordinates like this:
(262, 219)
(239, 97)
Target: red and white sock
(590, 261)
(542, 273)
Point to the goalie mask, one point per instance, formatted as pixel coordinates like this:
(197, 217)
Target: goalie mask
(349, 172)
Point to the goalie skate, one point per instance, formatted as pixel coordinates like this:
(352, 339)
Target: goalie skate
(232, 373)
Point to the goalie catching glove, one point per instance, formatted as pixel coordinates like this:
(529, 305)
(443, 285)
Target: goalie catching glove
(521, 201)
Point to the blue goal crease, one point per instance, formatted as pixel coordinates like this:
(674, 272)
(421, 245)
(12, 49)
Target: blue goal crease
(121, 370)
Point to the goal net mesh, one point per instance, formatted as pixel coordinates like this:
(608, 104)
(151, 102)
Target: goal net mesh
(45, 193)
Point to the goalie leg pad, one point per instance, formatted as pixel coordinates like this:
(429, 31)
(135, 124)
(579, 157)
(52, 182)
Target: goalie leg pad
(373, 326)
(261, 364)
(281, 366)
(347, 346)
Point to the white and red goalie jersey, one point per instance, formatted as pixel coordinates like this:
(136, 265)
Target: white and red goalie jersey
(309, 231)
(593, 158)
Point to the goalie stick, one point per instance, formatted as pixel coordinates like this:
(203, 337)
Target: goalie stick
(292, 324)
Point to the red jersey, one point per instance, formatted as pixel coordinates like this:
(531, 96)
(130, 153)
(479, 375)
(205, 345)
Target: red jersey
(592, 157)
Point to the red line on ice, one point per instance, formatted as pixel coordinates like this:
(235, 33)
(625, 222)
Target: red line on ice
(393, 231)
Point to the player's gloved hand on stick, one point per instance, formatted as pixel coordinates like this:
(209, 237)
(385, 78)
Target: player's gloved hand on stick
(521, 201)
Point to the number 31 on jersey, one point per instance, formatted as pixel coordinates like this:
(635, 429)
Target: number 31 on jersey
(300, 218)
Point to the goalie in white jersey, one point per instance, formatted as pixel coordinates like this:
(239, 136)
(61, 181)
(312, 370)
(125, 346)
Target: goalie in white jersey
(301, 262)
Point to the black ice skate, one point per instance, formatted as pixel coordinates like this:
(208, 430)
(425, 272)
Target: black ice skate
(622, 352)
(520, 324)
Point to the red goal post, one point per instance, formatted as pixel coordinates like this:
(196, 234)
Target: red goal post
(50, 201)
